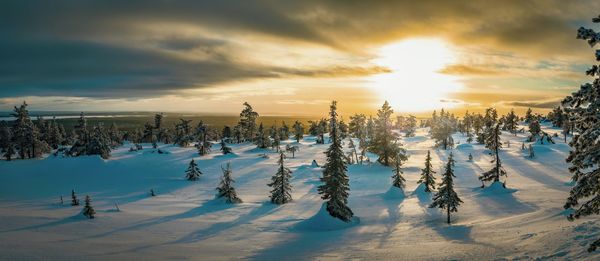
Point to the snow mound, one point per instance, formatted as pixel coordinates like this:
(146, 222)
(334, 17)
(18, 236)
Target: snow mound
(322, 221)
(421, 194)
(497, 188)
(394, 193)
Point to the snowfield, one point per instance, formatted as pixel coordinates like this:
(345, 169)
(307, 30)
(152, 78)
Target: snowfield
(185, 221)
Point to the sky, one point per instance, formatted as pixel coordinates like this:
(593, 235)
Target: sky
(292, 57)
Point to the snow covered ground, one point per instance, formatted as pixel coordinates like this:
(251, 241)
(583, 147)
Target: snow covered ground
(184, 221)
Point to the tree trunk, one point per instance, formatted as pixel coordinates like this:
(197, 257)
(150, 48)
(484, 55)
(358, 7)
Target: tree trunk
(448, 211)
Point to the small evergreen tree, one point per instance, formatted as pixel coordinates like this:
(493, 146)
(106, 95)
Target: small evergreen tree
(446, 198)
(280, 183)
(226, 189)
(88, 210)
(192, 173)
(74, 200)
(397, 179)
(335, 181)
(427, 177)
(224, 148)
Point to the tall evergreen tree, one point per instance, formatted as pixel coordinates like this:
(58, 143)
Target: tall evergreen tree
(248, 122)
(335, 181)
(511, 122)
(280, 182)
(446, 198)
(494, 144)
(193, 172)
(88, 210)
(427, 177)
(582, 107)
(384, 140)
(226, 189)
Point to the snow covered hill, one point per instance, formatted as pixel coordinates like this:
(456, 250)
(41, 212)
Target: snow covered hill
(184, 221)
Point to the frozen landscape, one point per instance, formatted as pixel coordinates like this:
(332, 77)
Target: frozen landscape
(185, 221)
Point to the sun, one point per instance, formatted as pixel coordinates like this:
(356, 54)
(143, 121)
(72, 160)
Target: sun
(415, 83)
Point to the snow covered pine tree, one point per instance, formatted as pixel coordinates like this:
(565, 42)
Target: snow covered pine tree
(192, 173)
(397, 179)
(427, 177)
(583, 107)
(226, 189)
(280, 183)
(446, 197)
(336, 184)
(492, 142)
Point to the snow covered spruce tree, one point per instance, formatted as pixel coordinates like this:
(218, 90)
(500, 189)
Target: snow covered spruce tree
(336, 183)
(88, 210)
(397, 179)
(427, 177)
(192, 173)
(280, 183)
(583, 107)
(26, 135)
(262, 139)
(441, 130)
(493, 143)
(226, 189)
(446, 198)
(384, 142)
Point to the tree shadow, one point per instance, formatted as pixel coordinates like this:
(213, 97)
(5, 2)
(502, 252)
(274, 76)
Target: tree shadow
(501, 204)
(264, 209)
(68, 220)
(210, 206)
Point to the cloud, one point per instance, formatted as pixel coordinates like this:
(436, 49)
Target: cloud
(546, 104)
(139, 49)
(470, 70)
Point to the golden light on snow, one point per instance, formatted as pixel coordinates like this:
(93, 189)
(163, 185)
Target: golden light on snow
(415, 83)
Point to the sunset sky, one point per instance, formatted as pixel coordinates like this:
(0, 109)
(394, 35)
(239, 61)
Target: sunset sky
(291, 57)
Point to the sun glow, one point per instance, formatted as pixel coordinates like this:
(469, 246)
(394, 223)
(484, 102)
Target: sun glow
(414, 83)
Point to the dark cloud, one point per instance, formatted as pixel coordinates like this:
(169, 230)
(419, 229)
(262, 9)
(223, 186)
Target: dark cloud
(101, 48)
(534, 104)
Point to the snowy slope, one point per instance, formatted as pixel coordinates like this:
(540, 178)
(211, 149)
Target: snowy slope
(184, 221)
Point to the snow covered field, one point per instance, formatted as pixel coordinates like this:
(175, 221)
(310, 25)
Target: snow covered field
(184, 221)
